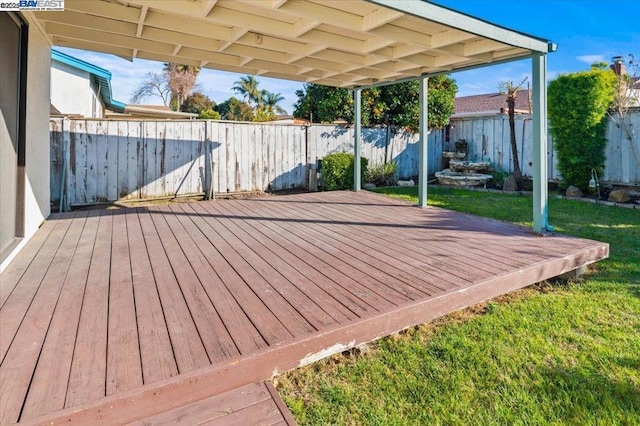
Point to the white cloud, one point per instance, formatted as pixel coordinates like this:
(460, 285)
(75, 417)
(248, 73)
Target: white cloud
(590, 59)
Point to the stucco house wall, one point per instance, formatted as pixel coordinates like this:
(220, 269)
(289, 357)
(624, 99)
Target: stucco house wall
(36, 199)
(72, 91)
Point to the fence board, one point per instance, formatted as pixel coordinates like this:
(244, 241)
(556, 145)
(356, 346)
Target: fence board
(56, 139)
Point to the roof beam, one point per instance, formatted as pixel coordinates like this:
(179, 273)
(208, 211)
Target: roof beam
(207, 7)
(449, 37)
(329, 15)
(107, 38)
(466, 23)
(108, 10)
(94, 47)
(379, 17)
(267, 42)
(303, 26)
(143, 15)
(83, 20)
(403, 35)
(188, 26)
(324, 38)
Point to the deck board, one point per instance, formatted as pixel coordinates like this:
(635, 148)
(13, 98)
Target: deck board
(124, 370)
(199, 251)
(188, 348)
(248, 405)
(211, 330)
(22, 356)
(50, 379)
(155, 342)
(89, 362)
(21, 264)
(152, 314)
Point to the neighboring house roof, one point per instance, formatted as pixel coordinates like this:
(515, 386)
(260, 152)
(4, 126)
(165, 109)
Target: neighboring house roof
(101, 77)
(289, 119)
(150, 111)
(490, 103)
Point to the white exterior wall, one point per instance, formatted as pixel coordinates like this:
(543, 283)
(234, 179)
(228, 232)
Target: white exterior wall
(37, 205)
(71, 91)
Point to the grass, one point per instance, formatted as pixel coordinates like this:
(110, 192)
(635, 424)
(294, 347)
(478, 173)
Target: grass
(552, 354)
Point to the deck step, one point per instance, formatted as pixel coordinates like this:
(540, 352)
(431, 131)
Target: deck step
(257, 403)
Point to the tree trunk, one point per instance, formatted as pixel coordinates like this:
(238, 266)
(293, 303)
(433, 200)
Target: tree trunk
(517, 173)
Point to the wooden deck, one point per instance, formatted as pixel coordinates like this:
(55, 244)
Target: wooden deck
(115, 316)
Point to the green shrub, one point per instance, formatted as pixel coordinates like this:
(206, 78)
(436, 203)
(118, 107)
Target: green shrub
(578, 105)
(498, 175)
(337, 171)
(209, 114)
(382, 174)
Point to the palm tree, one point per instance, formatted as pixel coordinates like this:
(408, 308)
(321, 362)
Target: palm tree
(271, 101)
(248, 87)
(508, 88)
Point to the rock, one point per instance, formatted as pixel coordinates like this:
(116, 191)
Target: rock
(572, 191)
(619, 196)
(510, 184)
(406, 182)
(369, 185)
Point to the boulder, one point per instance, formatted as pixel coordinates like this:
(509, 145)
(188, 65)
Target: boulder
(406, 182)
(572, 191)
(369, 185)
(619, 196)
(510, 184)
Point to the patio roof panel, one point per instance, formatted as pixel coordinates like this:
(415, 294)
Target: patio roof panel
(344, 43)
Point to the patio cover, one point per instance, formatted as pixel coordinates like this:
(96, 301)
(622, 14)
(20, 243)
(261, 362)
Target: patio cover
(346, 43)
(340, 43)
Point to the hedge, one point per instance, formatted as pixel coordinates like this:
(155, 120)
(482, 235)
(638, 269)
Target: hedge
(337, 171)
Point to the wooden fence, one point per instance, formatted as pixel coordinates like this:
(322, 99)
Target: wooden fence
(488, 138)
(105, 160)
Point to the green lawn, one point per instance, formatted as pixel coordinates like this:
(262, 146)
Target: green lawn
(551, 354)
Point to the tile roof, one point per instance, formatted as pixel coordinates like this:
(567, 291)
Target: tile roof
(490, 102)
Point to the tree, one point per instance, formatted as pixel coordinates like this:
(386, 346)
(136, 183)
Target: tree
(196, 103)
(627, 94)
(155, 84)
(268, 108)
(578, 105)
(173, 86)
(247, 86)
(511, 90)
(397, 104)
(323, 104)
(235, 110)
(181, 80)
(271, 100)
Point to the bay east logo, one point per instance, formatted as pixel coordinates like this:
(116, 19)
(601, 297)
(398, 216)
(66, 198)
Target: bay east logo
(32, 5)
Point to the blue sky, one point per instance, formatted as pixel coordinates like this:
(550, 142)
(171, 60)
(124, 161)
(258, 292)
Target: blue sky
(585, 31)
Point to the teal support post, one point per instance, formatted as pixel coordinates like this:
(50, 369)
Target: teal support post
(357, 143)
(540, 187)
(423, 166)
